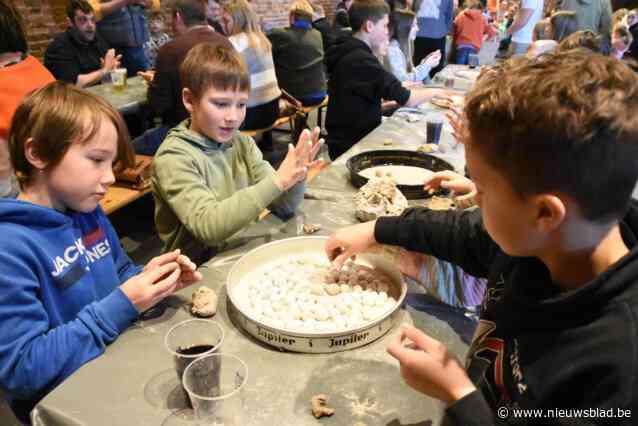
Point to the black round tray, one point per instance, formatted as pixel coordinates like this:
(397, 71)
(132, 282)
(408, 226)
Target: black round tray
(397, 157)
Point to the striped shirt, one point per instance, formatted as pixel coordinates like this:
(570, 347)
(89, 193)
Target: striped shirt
(263, 80)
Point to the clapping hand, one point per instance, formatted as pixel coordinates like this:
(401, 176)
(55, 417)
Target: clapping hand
(299, 159)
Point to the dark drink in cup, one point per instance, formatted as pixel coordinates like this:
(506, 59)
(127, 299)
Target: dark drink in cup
(433, 131)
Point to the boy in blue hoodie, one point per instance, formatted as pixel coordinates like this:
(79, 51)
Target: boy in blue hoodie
(556, 237)
(67, 289)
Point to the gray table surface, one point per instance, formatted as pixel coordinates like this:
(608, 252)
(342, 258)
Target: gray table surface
(126, 101)
(134, 383)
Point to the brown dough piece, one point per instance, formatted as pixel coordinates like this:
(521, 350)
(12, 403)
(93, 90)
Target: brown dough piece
(204, 302)
(311, 228)
(319, 407)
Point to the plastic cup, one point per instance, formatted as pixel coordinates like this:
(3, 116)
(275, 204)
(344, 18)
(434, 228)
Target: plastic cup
(449, 82)
(118, 78)
(473, 60)
(192, 339)
(434, 126)
(215, 386)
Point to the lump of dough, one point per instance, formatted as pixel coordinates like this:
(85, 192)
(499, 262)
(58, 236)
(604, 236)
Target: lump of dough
(204, 302)
(319, 407)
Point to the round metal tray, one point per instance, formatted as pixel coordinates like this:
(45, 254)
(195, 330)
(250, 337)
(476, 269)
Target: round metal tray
(310, 342)
(396, 157)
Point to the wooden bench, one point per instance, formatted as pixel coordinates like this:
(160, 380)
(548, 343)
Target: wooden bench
(118, 196)
(286, 119)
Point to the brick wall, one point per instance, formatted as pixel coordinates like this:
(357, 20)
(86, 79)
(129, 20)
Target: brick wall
(45, 18)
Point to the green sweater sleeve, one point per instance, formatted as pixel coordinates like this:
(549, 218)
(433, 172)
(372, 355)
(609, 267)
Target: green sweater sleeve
(181, 184)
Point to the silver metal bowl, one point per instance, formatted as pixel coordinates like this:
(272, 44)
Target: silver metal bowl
(310, 342)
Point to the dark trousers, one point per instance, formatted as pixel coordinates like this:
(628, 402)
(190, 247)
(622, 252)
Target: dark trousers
(261, 117)
(133, 59)
(424, 46)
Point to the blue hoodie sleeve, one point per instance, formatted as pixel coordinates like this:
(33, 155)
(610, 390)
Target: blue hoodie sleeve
(35, 356)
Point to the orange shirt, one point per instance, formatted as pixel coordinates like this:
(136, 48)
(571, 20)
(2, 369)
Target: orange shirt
(17, 81)
(470, 27)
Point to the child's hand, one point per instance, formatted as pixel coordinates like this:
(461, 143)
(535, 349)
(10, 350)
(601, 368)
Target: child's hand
(189, 274)
(147, 75)
(428, 367)
(347, 242)
(299, 159)
(433, 59)
(152, 285)
(455, 116)
(448, 179)
(464, 189)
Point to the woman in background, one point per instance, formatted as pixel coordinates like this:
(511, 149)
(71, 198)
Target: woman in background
(398, 61)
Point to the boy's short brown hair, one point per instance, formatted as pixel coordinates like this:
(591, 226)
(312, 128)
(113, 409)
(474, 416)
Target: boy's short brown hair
(56, 116)
(208, 65)
(366, 10)
(567, 124)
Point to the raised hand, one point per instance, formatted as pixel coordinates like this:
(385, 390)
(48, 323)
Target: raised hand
(299, 159)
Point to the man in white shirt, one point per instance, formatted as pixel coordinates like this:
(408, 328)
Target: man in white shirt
(522, 29)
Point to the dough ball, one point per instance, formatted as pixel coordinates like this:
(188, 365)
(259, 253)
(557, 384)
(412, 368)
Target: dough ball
(333, 289)
(204, 302)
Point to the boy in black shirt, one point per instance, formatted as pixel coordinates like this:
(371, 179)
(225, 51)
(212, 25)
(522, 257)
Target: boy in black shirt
(554, 159)
(358, 81)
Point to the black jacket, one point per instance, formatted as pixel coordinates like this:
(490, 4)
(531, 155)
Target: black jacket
(356, 86)
(535, 347)
(298, 57)
(68, 56)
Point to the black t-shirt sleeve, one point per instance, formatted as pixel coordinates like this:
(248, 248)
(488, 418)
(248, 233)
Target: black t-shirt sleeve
(457, 237)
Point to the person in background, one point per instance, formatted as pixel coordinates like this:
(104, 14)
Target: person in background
(321, 24)
(618, 17)
(540, 29)
(297, 53)
(79, 55)
(157, 38)
(210, 181)
(621, 39)
(358, 82)
(67, 288)
(188, 20)
(561, 25)
(15, 64)
(586, 39)
(241, 25)
(522, 27)
(398, 61)
(435, 19)
(593, 15)
(122, 23)
(214, 16)
(342, 20)
(470, 29)
(631, 21)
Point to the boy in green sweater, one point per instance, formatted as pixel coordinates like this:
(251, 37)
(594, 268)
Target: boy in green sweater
(209, 181)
